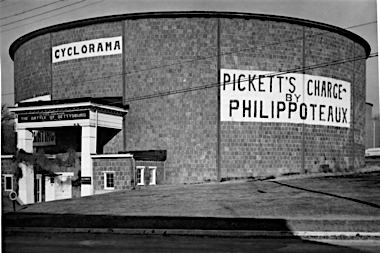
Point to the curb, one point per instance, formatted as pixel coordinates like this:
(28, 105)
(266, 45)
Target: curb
(322, 175)
(211, 233)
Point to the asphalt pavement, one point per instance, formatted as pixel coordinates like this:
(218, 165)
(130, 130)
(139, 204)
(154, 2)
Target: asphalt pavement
(47, 242)
(282, 215)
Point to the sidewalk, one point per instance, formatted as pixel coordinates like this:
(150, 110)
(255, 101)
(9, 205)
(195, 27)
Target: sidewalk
(348, 203)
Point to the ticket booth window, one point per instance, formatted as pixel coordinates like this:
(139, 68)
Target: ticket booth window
(140, 175)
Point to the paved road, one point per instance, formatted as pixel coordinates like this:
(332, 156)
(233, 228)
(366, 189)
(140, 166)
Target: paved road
(126, 243)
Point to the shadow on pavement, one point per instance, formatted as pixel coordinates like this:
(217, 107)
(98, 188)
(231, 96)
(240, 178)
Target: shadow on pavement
(112, 242)
(329, 194)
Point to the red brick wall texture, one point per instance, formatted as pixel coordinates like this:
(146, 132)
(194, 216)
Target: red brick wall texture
(166, 54)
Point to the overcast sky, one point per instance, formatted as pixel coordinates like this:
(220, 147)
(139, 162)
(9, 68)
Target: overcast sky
(18, 18)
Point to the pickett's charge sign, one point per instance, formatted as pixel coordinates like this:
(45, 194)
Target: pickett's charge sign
(87, 48)
(261, 96)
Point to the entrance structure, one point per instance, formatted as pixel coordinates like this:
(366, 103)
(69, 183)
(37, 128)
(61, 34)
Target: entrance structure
(97, 119)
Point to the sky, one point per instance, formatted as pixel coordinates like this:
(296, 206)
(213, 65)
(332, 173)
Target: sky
(18, 17)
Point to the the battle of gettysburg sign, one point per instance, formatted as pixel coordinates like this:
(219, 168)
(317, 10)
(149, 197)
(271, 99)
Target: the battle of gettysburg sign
(262, 96)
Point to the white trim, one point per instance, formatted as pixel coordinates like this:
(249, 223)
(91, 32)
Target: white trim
(6, 156)
(59, 106)
(142, 181)
(39, 192)
(154, 168)
(5, 182)
(112, 156)
(105, 180)
(46, 97)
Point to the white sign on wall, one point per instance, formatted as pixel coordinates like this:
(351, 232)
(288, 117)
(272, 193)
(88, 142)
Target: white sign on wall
(262, 96)
(87, 48)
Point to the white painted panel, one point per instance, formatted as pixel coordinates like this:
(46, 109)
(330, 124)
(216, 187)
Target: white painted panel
(87, 48)
(49, 190)
(260, 96)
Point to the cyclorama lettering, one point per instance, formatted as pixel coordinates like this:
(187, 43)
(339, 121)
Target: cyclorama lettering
(53, 116)
(89, 48)
(260, 96)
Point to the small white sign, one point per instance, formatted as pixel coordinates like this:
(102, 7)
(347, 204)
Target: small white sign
(87, 48)
(262, 96)
(43, 138)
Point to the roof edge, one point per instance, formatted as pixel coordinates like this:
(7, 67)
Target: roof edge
(186, 14)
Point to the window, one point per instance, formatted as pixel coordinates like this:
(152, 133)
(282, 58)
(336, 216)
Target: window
(8, 182)
(38, 184)
(140, 175)
(109, 180)
(152, 175)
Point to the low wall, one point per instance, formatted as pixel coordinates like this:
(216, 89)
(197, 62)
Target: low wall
(120, 164)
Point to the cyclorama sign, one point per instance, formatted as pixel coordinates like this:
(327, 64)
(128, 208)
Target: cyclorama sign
(261, 96)
(53, 116)
(87, 48)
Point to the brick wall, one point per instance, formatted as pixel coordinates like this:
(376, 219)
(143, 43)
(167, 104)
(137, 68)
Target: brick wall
(32, 68)
(94, 76)
(256, 149)
(252, 149)
(7, 168)
(186, 124)
(122, 168)
(337, 145)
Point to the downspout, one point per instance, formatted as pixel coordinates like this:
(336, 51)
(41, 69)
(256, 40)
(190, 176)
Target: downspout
(133, 177)
(218, 147)
(96, 131)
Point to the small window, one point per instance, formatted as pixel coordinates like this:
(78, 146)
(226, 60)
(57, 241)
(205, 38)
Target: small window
(152, 175)
(140, 175)
(109, 180)
(8, 182)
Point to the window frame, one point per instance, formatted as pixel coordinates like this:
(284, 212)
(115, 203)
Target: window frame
(5, 182)
(154, 168)
(142, 170)
(105, 173)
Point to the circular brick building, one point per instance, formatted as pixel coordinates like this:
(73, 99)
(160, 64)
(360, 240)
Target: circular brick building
(216, 95)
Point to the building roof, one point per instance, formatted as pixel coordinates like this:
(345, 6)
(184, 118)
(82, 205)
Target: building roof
(109, 101)
(190, 14)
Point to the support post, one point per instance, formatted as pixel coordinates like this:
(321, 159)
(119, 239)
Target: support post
(88, 148)
(25, 140)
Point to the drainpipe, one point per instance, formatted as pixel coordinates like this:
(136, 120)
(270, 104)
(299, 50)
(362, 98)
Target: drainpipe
(96, 131)
(133, 183)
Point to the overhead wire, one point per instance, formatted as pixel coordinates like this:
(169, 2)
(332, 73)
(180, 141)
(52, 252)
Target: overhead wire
(29, 10)
(273, 74)
(52, 16)
(218, 55)
(59, 8)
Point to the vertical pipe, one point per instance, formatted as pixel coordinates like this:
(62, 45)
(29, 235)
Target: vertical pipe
(123, 88)
(353, 111)
(51, 69)
(303, 83)
(374, 133)
(218, 90)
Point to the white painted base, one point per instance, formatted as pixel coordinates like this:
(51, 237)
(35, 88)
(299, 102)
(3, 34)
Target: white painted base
(26, 184)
